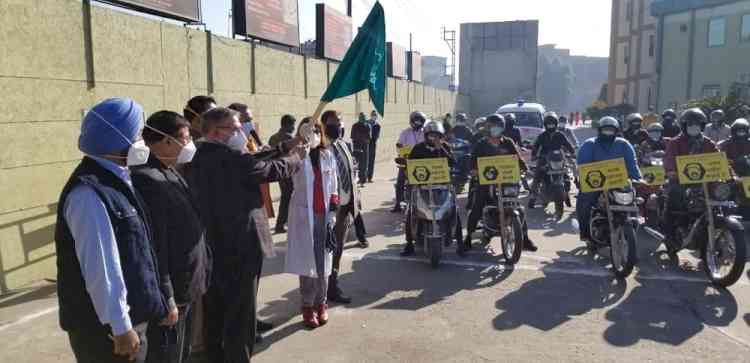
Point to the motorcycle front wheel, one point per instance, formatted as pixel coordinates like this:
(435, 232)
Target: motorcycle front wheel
(726, 261)
(513, 246)
(622, 251)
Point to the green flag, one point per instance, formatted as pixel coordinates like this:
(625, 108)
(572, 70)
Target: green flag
(363, 66)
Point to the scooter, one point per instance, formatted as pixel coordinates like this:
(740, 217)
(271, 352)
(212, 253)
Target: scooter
(652, 193)
(432, 218)
(504, 218)
(461, 150)
(556, 182)
(614, 222)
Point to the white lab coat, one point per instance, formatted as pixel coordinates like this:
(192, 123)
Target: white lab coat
(300, 257)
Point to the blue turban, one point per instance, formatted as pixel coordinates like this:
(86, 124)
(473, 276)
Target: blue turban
(110, 127)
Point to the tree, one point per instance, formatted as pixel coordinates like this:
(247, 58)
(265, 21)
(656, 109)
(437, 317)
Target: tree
(733, 106)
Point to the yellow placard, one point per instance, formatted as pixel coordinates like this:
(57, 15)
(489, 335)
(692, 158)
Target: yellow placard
(428, 171)
(502, 169)
(746, 186)
(702, 168)
(654, 175)
(404, 151)
(603, 175)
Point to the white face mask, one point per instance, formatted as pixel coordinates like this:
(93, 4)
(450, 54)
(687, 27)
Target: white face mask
(315, 140)
(693, 130)
(656, 136)
(608, 132)
(237, 141)
(138, 153)
(496, 131)
(186, 153)
(741, 133)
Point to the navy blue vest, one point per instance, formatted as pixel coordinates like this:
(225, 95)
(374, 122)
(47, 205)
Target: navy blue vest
(129, 222)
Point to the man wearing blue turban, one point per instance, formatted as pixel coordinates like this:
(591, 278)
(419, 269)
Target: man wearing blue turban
(108, 281)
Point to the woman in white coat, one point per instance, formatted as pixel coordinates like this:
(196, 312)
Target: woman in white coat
(311, 215)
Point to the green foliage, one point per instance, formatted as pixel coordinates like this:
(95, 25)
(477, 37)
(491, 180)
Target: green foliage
(733, 106)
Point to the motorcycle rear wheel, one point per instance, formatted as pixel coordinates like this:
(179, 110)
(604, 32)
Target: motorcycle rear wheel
(512, 248)
(623, 251)
(736, 242)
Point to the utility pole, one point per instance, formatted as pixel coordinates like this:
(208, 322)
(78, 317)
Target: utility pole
(449, 36)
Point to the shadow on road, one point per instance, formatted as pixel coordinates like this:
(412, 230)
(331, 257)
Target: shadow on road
(548, 302)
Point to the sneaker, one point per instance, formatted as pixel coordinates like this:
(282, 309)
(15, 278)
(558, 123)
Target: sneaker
(528, 245)
(363, 243)
(279, 230)
(263, 326)
(322, 311)
(408, 249)
(309, 317)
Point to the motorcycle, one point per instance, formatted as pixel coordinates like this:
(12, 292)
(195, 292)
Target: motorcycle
(432, 218)
(614, 222)
(741, 167)
(707, 226)
(651, 193)
(556, 182)
(504, 218)
(461, 150)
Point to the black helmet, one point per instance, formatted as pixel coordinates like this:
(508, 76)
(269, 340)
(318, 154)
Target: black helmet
(634, 117)
(717, 116)
(669, 113)
(418, 116)
(551, 118)
(510, 119)
(692, 116)
(461, 117)
(739, 125)
(496, 120)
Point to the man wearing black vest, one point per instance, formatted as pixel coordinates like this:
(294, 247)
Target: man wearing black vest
(226, 179)
(348, 197)
(108, 279)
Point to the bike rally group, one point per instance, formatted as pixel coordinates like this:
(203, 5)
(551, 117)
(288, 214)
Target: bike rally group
(684, 180)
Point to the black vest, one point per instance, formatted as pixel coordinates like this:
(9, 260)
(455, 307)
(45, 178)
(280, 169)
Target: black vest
(129, 222)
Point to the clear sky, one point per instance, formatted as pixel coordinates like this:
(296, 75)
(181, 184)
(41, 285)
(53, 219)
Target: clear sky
(579, 25)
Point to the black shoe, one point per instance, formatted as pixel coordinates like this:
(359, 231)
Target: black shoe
(467, 243)
(408, 250)
(263, 326)
(567, 202)
(532, 203)
(528, 245)
(363, 243)
(258, 338)
(369, 181)
(279, 230)
(397, 209)
(461, 250)
(337, 296)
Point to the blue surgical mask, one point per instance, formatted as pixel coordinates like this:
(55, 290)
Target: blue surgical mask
(247, 128)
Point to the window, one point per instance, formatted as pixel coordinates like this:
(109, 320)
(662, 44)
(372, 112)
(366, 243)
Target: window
(717, 29)
(711, 91)
(629, 11)
(651, 45)
(626, 54)
(745, 30)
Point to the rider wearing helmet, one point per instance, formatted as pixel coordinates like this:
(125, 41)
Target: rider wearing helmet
(433, 147)
(511, 131)
(738, 145)
(548, 141)
(717, 130)
(655, 141)
(493, 145)
(605, 146)
(462, 130)
(634, 132)
(562, 126)
(479, 130)
(668, 118)
(690, 141)
(408, 138)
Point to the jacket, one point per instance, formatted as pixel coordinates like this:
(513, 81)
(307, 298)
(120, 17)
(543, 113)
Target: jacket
(279, 137)
(424, 151)
(671, 129)
(572, 139)
(130, 225)
(551, 141)
(463, 132)
(375, 126)
(734, 149)
(361, 133)
(300, 256)
(718, 134)
(179, 238)
(506, 146)
(342, 151)
(594, 150)
(681, 146)
(514, 133)
(227, 186)
(636, 137)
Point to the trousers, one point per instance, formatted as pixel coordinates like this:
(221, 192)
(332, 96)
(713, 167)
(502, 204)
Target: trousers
(314, 290)
(287, 187)
(371, 163)
(171, 344)
(96, 346)
(362, 153)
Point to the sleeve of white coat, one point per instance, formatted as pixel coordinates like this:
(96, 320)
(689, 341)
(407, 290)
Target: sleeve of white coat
(97, 252)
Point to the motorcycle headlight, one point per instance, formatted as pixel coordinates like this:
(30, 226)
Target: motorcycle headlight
(556, 165)
(625, 198)
(722, 192)
(511, 191)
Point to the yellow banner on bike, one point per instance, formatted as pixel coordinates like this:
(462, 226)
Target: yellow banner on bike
(502, 169)
(603, 175)
(404, 151)
(428, 171)
(746, 186)
(654, 175)
(702, 168)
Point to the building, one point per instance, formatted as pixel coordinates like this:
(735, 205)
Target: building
(498, 63)
(434, 72)
(632, 55)
(704, 49)
(569, 83)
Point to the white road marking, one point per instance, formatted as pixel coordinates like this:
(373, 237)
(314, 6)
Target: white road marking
(27, 318)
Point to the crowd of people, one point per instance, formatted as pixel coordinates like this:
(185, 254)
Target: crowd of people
(163, 227)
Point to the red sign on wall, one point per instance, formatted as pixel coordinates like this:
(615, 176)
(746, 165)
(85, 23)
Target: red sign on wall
(333, 32)
(272, 20)
(178, 9)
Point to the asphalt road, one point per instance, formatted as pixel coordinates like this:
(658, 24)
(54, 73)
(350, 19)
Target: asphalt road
(557, 304)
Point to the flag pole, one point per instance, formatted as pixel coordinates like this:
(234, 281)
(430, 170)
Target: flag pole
(319, 110)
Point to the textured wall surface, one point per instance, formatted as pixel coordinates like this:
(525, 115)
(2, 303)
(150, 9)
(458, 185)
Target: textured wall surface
(47, 83)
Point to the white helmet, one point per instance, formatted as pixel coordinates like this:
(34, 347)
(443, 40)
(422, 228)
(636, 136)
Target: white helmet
(608, 121)
(433, 127)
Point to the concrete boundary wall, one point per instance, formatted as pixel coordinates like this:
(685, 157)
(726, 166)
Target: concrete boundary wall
(52, 70)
